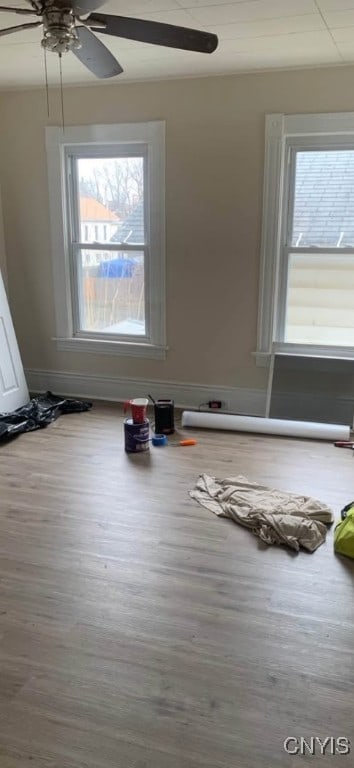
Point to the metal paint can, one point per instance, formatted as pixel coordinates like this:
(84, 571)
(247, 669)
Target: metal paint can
(136, 436)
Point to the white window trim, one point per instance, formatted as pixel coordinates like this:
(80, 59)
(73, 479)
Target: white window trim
(280, 130)
(152, 134)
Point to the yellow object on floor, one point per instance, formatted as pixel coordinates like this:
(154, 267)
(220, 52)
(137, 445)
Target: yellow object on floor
(344, 535)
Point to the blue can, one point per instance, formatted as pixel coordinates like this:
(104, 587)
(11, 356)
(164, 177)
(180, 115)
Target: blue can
(136, 436)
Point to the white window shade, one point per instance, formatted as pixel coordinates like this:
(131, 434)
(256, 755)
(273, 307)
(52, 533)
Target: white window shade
(320, 299)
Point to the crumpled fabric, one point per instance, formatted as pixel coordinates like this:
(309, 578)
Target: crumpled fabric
(39, 412)
(276, 517)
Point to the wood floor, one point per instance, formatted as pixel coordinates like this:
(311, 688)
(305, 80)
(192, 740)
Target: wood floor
(137, 630)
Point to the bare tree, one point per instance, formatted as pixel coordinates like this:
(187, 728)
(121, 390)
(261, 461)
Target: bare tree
(118, 183)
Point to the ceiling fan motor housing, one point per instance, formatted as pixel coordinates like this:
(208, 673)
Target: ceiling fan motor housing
(60, 34)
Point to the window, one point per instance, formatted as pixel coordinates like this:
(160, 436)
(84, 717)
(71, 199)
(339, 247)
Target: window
(307, 282)
(107, 182)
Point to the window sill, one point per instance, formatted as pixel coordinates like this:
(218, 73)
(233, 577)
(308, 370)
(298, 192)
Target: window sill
(314, 350)
(263, 359)
(115, 348)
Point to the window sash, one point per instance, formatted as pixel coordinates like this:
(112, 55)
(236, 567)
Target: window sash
(282, 304)
(292, 149)
(77, 303)
(89, 138)
(75, 245)
(330, 131)
(293, 145)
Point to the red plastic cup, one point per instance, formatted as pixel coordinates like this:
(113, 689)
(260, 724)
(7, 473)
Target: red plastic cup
(138, 408)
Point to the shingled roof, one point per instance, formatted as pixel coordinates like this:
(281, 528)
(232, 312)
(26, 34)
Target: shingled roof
(324, 203)
(131, 229)
(324, 199)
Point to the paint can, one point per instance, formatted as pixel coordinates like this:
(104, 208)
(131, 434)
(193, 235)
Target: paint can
(136, 436)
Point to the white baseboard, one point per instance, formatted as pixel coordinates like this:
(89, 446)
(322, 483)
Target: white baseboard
(186, 395)
(190, 395)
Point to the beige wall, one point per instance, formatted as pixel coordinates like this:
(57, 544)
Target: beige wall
(214, 175)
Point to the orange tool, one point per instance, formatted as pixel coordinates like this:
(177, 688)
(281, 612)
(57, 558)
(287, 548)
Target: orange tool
(182, 443)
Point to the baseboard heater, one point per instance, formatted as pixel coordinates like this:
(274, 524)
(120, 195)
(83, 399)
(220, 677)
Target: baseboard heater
(263, 426)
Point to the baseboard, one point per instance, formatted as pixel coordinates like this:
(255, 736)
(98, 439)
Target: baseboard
(190, 395)
(186, 395)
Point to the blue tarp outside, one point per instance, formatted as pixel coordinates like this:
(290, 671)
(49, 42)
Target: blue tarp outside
(116, 268)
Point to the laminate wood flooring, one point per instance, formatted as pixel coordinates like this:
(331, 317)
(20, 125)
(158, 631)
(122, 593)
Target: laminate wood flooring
(138, 630)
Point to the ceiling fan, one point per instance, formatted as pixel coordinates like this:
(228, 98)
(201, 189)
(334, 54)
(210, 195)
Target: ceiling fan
(68, 24)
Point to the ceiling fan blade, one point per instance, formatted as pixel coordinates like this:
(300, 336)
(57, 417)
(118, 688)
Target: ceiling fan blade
(154, 32)
(10, 30)
(95, 56)
(22, 11)
(80, 7)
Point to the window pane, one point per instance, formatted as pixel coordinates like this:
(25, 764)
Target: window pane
(111, 199)
(112, 292)
(324, 199)
(320, 306)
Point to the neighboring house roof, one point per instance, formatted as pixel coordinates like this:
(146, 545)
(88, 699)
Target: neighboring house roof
(131, 230)
(92, 210)
(324, 199)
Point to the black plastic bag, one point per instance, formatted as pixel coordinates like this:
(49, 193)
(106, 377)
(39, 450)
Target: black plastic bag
(39, 412)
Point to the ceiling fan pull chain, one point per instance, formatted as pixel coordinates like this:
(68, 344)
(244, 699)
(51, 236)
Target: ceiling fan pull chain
(61, 92)
(46, 79)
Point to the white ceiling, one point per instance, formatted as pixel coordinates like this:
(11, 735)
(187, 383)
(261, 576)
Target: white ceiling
(253, 35)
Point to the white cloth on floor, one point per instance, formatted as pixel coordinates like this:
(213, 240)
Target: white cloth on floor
(275, 516)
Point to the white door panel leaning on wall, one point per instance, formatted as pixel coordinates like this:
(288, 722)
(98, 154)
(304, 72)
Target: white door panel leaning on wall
(13, 387)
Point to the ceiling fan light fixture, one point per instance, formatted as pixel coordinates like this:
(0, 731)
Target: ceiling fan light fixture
(60, 43)
(60, 34)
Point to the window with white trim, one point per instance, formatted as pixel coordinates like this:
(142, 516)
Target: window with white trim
(307, 279)
(106, 194)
